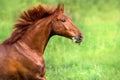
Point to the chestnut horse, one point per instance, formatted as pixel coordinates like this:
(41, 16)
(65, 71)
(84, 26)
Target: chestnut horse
(21, 55)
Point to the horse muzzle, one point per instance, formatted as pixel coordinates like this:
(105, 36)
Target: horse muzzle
(77, 39)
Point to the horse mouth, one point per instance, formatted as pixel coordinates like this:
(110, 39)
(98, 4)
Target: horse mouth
(77, 39)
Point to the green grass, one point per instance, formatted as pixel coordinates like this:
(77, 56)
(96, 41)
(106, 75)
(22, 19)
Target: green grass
(96, 58)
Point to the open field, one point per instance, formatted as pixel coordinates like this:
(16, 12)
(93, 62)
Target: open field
(96, 58)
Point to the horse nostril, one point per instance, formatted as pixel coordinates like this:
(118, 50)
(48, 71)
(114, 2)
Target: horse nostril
(80, 37)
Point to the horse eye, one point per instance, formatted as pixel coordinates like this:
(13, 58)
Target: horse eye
(63, 20)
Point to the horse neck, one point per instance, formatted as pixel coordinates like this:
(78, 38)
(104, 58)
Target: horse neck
(38, 37)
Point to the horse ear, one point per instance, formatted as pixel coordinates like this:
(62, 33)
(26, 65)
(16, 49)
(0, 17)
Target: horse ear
(58, 7)
(62, 9)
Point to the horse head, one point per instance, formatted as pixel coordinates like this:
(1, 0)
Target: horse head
(63, 26)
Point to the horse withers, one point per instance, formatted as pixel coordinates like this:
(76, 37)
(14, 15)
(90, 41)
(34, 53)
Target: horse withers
(21, 55)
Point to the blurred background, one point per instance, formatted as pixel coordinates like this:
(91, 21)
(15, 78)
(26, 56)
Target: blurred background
(96, 58)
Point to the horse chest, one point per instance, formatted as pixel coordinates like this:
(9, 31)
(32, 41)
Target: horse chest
(30, 68)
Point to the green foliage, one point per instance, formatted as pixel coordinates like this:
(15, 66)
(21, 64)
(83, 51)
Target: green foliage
(97, 58)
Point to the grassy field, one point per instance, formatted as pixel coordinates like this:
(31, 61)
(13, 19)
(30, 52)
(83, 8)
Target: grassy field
(98, 56)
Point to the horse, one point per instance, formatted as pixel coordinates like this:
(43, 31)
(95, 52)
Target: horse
(21, 55)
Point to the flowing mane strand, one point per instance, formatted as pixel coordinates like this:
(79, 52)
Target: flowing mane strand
(27, 18)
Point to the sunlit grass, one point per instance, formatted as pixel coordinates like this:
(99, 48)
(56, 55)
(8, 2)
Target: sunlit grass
(95, 59)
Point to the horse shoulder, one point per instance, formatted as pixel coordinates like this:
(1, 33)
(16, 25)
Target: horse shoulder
(7, 63)
(13, 64)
